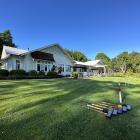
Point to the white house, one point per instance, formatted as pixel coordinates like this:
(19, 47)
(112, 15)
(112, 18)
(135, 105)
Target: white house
(90, 68)
(41, 59)
(44, 58)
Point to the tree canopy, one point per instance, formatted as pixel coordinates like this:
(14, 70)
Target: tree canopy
(105, 59)
(123, 62)
(135, 61)
(77, 55)
(127, 62)
(6, 39)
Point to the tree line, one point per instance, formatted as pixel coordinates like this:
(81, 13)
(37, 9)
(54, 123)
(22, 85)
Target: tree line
(124, 62)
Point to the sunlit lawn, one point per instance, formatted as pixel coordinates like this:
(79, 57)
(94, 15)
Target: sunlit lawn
(52, 110)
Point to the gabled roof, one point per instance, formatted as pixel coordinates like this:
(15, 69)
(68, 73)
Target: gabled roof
(7, 51)
(16, 51)
(52, 45)
(79, 63)
(93, 63)
(63, 50)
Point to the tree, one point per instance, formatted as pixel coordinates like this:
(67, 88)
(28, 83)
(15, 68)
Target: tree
(77, 55)
(105, 59)
(6, 39)
(115, 65)
(135, 61)
(122, 62)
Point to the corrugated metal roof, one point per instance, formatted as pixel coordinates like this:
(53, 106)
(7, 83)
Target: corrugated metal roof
(93, 63)
(16, 51)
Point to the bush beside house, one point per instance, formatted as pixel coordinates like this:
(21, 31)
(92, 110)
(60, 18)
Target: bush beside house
(18, 73)
(52, 74)
(4, 73)
(32, 73)
(41, 73)
(22, 74)
(75, 75)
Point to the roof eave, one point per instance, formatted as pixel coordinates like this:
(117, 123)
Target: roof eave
(51, 45)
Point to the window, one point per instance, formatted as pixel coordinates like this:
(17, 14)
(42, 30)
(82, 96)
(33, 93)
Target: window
(62, 66)
(81, 70)
(50, 67)
(38, 67)
(74, 69)
(17, 64)
(46, 68)
(68, 68)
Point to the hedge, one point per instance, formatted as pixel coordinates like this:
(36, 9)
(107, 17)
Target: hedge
(4, 73)
(52, 74)
(41, 73)
(21, 74)
(32, 73)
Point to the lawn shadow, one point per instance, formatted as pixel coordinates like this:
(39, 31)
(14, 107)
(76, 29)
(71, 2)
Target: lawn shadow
(58, 117)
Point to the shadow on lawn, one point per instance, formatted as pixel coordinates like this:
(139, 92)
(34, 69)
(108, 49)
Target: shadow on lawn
(82, 124)
(71, 90)
(58, 118)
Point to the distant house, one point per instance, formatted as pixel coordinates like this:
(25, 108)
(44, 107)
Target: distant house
(44, 58)
(90, 68)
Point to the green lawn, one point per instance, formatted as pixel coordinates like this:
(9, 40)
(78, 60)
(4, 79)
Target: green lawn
(52, 110)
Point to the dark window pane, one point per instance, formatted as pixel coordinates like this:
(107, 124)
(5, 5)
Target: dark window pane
(38, 67)
(17, 64)
(45, 68)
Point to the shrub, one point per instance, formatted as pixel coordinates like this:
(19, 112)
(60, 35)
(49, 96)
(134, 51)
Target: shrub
(129, 72)
(4, 73)
(32, 73)
(136, 75)
(75, 75)
(52, 74)
(18, 73)
(41, 73)
(117, 74)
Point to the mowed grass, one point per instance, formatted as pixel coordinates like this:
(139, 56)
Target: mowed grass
(53, 110)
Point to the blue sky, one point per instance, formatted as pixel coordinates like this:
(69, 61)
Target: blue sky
(91, 26)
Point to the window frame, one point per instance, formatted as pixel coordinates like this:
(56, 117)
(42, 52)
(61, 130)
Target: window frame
(68, 68)
(38, 64)
(62, 66)
(18, 64)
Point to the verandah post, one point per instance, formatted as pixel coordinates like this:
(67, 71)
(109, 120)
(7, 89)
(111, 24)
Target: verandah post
(120, 94)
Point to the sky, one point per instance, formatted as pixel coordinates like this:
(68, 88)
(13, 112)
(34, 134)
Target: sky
(90, 26)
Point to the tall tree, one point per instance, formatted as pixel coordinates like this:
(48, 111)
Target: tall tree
(105, 59)
(6, 39)
(135, 61)
(77, 55)
(122, 62)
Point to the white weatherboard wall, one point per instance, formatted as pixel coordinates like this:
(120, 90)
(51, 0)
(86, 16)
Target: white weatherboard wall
(59, 57)
(10, 63)
(29, 63)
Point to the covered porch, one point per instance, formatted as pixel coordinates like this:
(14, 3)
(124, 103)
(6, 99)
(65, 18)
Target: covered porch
(86, 70)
